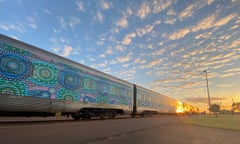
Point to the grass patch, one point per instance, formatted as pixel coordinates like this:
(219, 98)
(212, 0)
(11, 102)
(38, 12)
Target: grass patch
(222, 121)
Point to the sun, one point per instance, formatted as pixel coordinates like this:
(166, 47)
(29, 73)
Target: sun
(179, 108)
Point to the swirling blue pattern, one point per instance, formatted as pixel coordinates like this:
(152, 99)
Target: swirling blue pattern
(69, 79)
(14, 66)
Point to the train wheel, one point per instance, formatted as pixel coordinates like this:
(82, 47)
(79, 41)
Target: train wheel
(75, 117)
(112, 114)
(143, 114)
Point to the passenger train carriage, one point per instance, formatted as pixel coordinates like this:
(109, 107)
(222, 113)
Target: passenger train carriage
(34, 81)
(150, 102)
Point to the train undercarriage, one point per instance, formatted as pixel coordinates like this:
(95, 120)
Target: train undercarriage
(88, 113)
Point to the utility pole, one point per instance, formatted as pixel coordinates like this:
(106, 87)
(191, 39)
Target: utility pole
(209, 102)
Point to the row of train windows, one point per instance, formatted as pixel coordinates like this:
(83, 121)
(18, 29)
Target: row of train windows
(156, 99)
(150, 98)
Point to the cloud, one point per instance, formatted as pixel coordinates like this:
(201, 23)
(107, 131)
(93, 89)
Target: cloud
(127, 74)
(157, 82)
(144, 10)
(161, 43)
(225, 20)
(66, 51)
(159, 6)
(107, 70)
(202, 35)
(74, 21)
(122, 22)
(139, 61)
(171, 12)
(192, 8)
(8, 27)
(32, 21)
(56, 30)
(102, 56)
(99, 16)
(80, 6)
(202, 100)
(154, 63)
(47, 11)
(105, 5)
(191, 85)
(230, 72)
(235, 43)
(120, 48)
(100, 42)
(29, 22)
(227, 75)
(187, 12)
(150, 46)
(124, 58)
(125, 65)
(224, 85)
(210, 22)
(206, 23)
(210, 1)
(109, 51)
(142, 31)
(129, 12)
(169, 20)
(215, 62)
(155, 72)
(62, 22)
(158, 52)
(100, 65)
(128, 38)
(179, 34)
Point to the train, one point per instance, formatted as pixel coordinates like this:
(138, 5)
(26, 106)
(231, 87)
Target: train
(34, 81)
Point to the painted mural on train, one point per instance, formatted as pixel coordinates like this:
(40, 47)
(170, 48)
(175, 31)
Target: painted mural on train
(23, 73)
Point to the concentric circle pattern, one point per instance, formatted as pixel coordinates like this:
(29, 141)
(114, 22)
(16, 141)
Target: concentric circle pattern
(45, 73)
(69, 79)
(12, 88)
(25, 72)
(14, 66)
(65, 94)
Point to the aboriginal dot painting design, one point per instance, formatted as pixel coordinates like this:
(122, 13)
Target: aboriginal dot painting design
(89, 98)
(89, 85)
(69, 79)
(12, 88)
(14, 67)
(23, 72)
(102, 87)
(64, 94)
(13, 49)
(102, 99)
(45, 73)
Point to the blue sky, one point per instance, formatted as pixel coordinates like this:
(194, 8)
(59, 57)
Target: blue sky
(164, 45)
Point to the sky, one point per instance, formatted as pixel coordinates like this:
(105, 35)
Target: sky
(163, 45)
